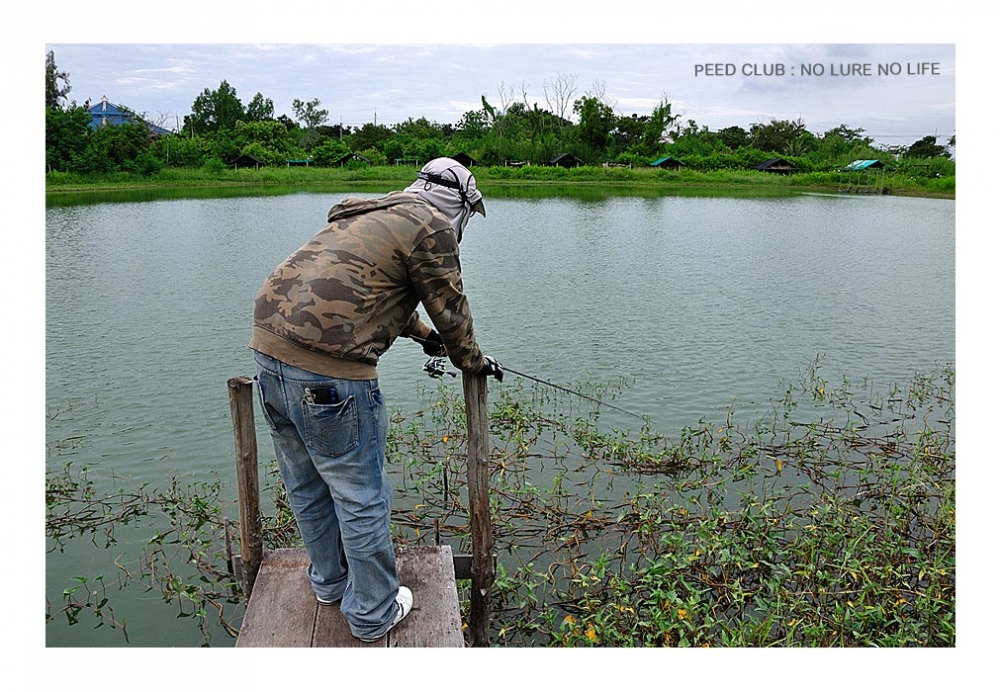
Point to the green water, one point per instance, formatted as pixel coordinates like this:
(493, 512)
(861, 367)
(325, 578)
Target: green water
(699, 299)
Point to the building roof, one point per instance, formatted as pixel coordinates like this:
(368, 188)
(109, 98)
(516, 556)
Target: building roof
(464, 159)
(246, 160)
(666, 159)
(347, 157)
(564, 159)
(773, 163)
(107, 113)
(862, 164)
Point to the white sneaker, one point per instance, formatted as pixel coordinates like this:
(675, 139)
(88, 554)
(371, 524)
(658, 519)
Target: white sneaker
(404, 603)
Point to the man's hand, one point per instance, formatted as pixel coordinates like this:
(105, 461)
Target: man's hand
(491, 366)
(433, 345)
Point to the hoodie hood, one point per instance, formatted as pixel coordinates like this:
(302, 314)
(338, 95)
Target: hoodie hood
(353, 206)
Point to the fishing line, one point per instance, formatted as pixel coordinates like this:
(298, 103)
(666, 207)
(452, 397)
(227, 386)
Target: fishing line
(436, 367)
(597, 401)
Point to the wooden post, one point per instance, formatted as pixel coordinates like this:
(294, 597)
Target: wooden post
(248, 485)
(481, 529)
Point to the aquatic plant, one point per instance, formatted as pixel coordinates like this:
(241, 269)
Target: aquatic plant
(827, 519)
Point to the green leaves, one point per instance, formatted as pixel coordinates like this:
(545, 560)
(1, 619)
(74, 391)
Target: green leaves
(624, 537)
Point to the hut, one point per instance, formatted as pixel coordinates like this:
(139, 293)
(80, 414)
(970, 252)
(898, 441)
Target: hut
(864, 165)
(668, 162)
(298, 162)
(246, 161)
(868, 177)
(349, 158)
(780, 166)
(464, 159)
(566, 161)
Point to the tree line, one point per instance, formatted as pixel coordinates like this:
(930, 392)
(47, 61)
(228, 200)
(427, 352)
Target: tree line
(512, 129)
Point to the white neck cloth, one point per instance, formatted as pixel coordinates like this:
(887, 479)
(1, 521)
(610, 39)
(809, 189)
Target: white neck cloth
(456, 203)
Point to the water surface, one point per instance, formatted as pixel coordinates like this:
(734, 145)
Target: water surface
(699, 300)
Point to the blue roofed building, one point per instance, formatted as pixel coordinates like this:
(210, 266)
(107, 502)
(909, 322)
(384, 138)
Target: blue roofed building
(107, 113)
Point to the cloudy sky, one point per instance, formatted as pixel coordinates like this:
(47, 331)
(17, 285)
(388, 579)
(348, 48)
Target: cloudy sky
(897, 92)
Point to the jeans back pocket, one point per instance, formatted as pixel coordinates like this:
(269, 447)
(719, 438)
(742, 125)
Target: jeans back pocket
(331, 429)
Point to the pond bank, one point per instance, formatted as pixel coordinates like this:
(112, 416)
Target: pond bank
(386, 178)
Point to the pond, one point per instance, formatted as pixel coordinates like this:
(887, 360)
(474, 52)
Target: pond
(697, 301)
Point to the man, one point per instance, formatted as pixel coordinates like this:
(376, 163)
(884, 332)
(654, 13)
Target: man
(321, 321)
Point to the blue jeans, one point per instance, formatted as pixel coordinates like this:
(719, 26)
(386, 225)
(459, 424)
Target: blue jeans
(331, 455)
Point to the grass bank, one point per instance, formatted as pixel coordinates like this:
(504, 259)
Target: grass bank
(496, 178)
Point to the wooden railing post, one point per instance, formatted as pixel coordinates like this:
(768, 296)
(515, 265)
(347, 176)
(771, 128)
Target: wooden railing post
(248, 485)
(483, 571)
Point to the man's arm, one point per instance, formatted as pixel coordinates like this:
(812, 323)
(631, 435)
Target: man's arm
(416, 328)
(436, 274)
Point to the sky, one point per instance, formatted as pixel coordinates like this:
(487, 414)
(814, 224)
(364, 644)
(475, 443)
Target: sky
(897, 92)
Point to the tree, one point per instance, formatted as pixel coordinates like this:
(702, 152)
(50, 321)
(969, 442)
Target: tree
(421, 128)
(269, 134)
(217, 110)
(628, 132)
(370, 136)
(113, 148)
(778, 136)
(66, 133)
(559, 92)
(848, 135)
(311, 116)
(659, 122)
(474, 124)
(56, 82)
(328, 152)
(184, 150)
(260, 108)
(734, 137)
(334, 131)
(927, 148)
(596, 122)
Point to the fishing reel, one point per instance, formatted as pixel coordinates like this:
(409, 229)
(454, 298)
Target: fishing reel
(437, 366)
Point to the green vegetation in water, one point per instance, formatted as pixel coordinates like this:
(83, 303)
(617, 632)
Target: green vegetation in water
(828, 520)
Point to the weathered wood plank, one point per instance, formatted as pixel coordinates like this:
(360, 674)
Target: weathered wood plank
(332, 630)
(435, 620)
(282, 608)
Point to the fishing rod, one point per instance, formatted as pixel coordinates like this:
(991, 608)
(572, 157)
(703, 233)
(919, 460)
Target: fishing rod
(436, 366)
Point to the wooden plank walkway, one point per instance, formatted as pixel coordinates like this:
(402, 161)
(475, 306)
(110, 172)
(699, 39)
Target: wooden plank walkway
(283, 611)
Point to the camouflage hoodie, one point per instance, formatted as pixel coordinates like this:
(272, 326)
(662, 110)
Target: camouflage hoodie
(338, 302)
